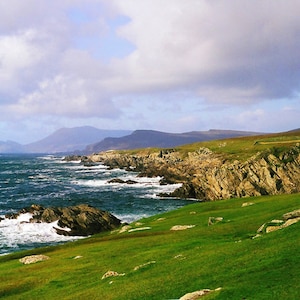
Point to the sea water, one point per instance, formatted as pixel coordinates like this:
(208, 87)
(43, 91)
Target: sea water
(48, 180)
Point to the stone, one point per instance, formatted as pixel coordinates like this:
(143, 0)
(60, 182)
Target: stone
(195, 295)
(247, 204)
(272, 228)
(290, 222)
(118, 180)
(111, 274)
(144, 265)
(139, 224)
(182, 227)
(139, 229)
(292, 214)
(214, 220)
(261, 228)
(33, 259)
(125, 228)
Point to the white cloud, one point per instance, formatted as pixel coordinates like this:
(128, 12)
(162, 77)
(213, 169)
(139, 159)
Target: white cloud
(55, 61)
(237, 49)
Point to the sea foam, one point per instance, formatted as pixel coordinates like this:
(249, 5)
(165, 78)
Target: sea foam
(14, 233)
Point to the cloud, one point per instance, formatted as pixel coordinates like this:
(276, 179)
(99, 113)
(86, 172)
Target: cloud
(120, 59)
(227, 51)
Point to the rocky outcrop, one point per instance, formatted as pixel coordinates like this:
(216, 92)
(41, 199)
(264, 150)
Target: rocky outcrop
(210, 176)
(121, 181)
(32, 259)
(80, 220)
(289, 219)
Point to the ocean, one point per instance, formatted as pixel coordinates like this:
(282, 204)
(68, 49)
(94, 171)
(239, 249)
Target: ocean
(48, 180)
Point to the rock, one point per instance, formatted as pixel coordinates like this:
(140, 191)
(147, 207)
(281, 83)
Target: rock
(261, 228)
(272, 228)
(125, 228)
(208, 176)
(130, 182)
(139, 229)
(112, 274)
(33, 259)
(292, 214)
(195, 295)
(118, 180)
(139, 224)
(289, 219)
(179, 257)
(247, 204)
(214, 220)
(182, 227)
(80, 220)
(144, 265)
(290, 222)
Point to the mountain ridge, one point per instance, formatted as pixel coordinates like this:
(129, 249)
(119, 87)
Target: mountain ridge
(151, 138)
(71, 139)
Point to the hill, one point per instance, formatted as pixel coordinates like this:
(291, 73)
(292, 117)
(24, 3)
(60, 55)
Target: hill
(71, 139)
(219, 169)
(151, 261)
(151, 138)
(10, 147)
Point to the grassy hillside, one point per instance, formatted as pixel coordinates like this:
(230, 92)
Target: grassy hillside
(240, 148)
(162, 264)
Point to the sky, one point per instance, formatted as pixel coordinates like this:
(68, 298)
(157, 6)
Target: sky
(170, 65)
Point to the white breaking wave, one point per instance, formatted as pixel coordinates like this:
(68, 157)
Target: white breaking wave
(16, 232)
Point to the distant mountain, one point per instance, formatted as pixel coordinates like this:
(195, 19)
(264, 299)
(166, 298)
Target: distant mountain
(72, 139)
(151, 138)
(10, 147)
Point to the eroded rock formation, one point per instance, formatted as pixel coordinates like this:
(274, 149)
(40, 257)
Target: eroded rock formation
(80, 220)
(210, 176)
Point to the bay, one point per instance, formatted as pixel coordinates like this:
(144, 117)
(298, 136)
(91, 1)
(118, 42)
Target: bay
(48, 180)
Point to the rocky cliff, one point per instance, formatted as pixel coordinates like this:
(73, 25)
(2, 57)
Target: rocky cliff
(80, 220)
(209, 175)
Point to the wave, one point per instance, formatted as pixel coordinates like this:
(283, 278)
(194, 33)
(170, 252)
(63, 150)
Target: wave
(15, 233)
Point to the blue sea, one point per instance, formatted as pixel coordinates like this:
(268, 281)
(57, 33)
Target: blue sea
(48, 180)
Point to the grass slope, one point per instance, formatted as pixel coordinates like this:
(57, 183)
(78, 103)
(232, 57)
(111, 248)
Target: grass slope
(240, 148)
(172, 262)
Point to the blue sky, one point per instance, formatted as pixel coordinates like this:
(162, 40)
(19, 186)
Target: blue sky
(169, 65)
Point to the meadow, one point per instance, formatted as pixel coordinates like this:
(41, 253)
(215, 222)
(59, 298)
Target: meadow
(155, 262)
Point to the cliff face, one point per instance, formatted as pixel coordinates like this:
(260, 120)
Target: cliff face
(210, 176)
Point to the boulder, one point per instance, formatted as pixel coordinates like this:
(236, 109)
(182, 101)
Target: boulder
(80, 220)
(181, 227)
(86, 220)
(292, 215)
(195, 295)
(118, 180)
(32, 259)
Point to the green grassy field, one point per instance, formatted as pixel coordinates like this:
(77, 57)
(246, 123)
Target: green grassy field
(171, 263)
(240, 148)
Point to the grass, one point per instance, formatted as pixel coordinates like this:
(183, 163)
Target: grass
(240, 148)
(221, 255)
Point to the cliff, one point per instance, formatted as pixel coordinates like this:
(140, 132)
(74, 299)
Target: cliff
(263, 168)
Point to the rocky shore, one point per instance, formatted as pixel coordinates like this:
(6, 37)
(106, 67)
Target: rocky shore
(208, 176)
(80, 220)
